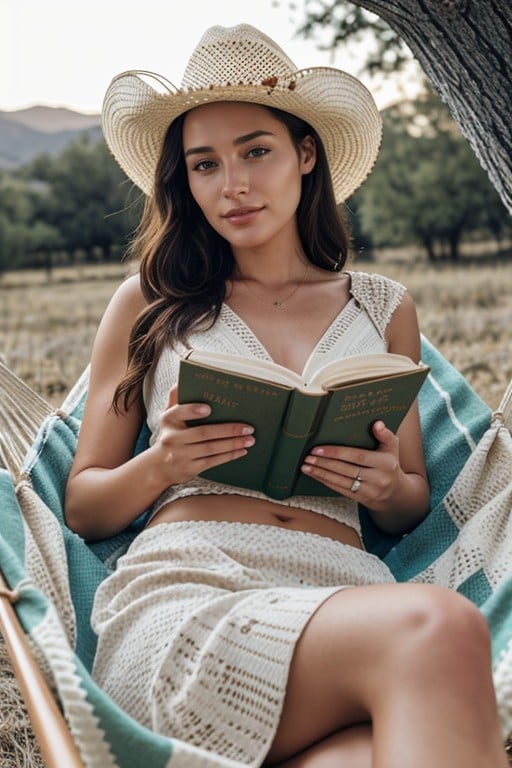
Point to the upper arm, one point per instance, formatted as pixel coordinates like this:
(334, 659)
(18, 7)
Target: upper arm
(403, 337)
(402, 333)
(107, 438)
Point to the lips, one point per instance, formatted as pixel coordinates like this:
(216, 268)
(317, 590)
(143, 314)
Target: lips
(235, 213)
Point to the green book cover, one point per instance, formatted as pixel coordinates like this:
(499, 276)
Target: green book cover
(349, 413)
(289, 420)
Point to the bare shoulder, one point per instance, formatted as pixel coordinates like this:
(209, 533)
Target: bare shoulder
(407, 306)
(403, 333)
(106, 439)
(127, 301)
(109, 358)
(118, 319)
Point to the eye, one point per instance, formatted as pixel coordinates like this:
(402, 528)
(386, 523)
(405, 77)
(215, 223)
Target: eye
(258, 152)
(203, 165)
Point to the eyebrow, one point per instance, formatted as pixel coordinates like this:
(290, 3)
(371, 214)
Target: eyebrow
(237, 142)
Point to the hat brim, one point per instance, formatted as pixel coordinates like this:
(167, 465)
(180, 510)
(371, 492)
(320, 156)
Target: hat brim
(339, 107)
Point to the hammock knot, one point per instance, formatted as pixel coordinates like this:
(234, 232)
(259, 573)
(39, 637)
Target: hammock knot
(12, 595)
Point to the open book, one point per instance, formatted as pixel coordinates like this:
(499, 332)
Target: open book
(337, 405)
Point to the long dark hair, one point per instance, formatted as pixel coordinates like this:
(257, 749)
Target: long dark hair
(184, 263)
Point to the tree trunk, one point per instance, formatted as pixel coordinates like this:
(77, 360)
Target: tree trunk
(454, 238)
(428, 244)
(464, 48)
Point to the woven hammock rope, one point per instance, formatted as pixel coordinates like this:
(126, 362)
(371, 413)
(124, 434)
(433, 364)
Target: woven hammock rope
(22, 412)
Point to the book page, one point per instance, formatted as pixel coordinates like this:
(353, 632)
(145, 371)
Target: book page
(360, 368)
(338, 372)
(265, 370)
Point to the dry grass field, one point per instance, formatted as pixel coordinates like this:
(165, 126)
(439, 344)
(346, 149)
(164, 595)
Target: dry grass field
(47, 327)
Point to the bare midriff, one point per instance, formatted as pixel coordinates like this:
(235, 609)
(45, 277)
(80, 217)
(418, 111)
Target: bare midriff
(244, 509)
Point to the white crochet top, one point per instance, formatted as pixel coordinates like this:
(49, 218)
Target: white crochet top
(357, 330)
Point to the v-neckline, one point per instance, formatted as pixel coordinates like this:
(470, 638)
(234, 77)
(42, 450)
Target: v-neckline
(351, 303)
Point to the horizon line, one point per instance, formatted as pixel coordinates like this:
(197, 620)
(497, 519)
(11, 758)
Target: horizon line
(51, 105)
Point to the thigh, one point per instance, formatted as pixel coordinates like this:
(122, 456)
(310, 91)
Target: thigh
(351, 748)
(341, 658)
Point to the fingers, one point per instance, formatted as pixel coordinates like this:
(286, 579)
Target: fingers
(213, 453)
(185, 453)
(337, 475)
(186, 449)
(182, 417)
(368, 476)
(175, 413)
(209, 442)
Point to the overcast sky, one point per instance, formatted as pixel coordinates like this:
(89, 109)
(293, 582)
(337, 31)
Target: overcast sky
(64, 53)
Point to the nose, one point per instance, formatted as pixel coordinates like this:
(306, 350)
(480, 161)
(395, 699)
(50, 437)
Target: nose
(236, 180)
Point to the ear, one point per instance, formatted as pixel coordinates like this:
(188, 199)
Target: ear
(307, 154)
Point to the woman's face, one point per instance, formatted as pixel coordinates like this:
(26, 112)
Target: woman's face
(244, 171)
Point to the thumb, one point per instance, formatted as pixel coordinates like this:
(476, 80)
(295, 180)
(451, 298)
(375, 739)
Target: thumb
(384, 435)
(173, 396)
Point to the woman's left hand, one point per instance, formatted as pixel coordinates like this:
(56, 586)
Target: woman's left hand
(372, 477)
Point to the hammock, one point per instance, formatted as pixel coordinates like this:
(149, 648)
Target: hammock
(50, 574)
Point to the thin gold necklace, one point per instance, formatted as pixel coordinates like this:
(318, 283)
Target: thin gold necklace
(279, 303)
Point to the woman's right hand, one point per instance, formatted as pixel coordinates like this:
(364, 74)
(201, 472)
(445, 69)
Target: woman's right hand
(186, 450)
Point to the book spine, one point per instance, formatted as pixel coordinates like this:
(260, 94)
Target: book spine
(299, 424)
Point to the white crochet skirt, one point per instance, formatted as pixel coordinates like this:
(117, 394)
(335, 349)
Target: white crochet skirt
(198, 624)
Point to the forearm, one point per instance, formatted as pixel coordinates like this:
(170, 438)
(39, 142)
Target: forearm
(101, 502)
(407, 506)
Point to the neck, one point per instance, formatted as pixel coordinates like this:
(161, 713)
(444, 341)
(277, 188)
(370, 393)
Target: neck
(276, 294)
(269, 270)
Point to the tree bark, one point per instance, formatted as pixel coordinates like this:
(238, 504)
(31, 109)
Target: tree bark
(464, 47)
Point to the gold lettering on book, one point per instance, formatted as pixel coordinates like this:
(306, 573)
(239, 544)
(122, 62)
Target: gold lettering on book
(212, 397)
(263, 391)
(372, 402)
(222, 383)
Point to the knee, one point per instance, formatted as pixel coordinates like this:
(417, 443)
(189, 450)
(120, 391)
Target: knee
(445, 628)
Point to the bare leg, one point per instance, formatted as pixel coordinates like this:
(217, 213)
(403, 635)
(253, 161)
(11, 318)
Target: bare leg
(350, 748)
(414, 660)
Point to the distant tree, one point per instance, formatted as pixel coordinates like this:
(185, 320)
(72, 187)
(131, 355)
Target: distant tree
(41, 167)
(427, 185)
(79, 201)
(23, 246)
(43, 243)
(85, 197)
(462, 46)
(4, 246)
(15, 216)
(15, 202)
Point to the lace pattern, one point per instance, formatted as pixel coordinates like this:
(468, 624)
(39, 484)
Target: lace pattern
(221, 606)
(357, 330)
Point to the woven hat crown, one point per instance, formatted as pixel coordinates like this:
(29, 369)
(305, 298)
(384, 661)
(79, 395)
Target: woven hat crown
(235, 56)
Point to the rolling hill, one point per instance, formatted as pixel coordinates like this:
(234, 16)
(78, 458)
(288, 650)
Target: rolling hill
(26, 133)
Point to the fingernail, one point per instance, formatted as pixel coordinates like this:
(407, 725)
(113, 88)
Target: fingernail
(318, 451)
(247, 430)
(203, 410)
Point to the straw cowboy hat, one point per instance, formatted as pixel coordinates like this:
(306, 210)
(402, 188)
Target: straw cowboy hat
(242, 64)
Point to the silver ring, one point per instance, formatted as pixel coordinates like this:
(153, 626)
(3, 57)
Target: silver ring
(356, 484)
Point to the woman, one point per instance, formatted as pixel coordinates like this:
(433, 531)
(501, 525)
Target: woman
(262, 631)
